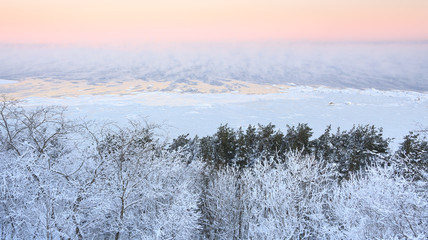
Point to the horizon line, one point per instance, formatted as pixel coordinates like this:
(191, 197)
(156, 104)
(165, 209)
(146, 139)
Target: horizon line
(202, 43)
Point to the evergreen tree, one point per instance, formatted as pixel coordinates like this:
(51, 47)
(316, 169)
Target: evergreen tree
(297, 138)
(242, 157)
(180, 142)
(207, 150)
(413, 156)
(224, 143)
(353, 150)
(323, 146)
(270, 142)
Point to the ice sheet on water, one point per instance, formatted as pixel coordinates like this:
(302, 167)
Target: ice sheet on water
(396, 111)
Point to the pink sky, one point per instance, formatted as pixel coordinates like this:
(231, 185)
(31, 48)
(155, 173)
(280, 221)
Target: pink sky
(136, 21)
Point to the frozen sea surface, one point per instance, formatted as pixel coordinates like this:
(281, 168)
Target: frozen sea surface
(397, 112)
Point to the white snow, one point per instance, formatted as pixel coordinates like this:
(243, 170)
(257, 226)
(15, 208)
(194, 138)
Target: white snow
(397, 112)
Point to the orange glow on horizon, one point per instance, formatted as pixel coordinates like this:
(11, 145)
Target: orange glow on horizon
(130, 21)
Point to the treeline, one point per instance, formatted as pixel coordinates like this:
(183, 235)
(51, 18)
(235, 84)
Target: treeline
(63, 179)
(347, 151)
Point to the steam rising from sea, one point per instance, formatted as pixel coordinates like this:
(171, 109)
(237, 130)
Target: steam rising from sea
(384, 66)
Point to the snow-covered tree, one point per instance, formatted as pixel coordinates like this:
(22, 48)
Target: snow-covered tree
(353, 150)
(40, 128)
(412, 156)
(268, 201)
(144, 190)
(35, 191)
(379, 205)
(86, 180)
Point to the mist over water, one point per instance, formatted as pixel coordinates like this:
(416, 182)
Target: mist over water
(384, 66)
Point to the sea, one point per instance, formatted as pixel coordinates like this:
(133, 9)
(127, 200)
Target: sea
(372, 65)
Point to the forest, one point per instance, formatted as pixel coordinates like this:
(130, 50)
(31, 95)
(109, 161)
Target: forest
(63, 178)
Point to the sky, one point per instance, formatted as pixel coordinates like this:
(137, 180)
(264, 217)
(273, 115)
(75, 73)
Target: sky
(139, 21)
